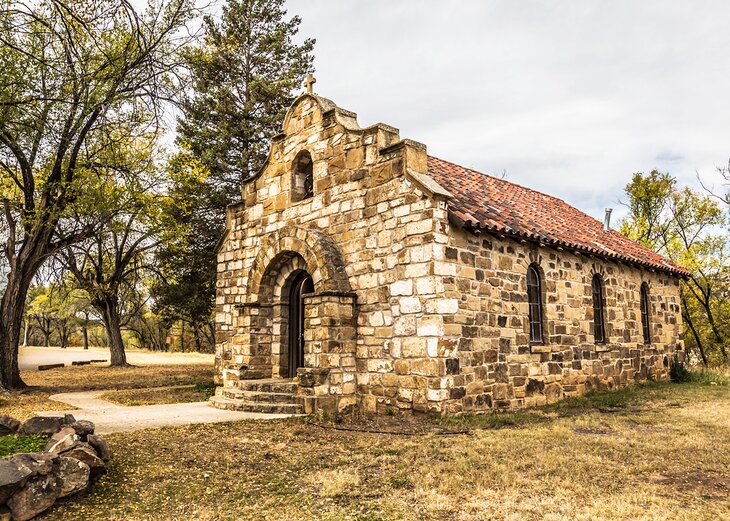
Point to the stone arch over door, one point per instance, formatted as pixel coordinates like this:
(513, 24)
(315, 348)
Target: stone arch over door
(319, 252)
(327, 376)
(270, 339)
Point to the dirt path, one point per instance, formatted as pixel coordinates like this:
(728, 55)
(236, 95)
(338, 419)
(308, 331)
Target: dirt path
(31, 357)
(110, 417)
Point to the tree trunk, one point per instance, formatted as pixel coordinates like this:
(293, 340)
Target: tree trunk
(718, 336)
(110, 316)
(211, 336)
(160, 337)
(11, 319)
(698, 341)
(25, 334)
(196, 336)
(706, 303)
(46, 337)
(85, 335)
(63, 334)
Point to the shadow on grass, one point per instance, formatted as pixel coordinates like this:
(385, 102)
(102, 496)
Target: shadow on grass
(628, 399)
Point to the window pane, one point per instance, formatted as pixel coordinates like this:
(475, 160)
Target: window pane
(599, 333)
(535, 304)
(646, 330)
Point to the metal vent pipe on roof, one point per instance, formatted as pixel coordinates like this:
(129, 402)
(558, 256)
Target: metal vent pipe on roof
(607, 219)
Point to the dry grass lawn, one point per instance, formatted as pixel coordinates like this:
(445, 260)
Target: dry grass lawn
(42, 384)
(652, 453)
(156, 396)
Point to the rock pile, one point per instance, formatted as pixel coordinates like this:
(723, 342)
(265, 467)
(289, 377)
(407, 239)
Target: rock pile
(72, 461)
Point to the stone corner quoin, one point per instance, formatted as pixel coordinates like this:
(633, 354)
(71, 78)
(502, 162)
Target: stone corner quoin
(409, 310)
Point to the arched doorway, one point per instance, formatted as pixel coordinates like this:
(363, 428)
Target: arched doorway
(301, 284)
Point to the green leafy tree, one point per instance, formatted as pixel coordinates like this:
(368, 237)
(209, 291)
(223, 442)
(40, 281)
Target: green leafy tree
(82, 312)
(52, 311)
(244, 77)
(42, 311)
(690, 229)
(649, 196)
(187, 259)
(73, 73)
(111, 267)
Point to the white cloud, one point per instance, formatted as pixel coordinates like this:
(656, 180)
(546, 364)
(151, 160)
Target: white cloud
(569, 97)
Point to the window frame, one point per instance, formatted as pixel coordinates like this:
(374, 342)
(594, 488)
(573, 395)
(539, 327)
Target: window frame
(599, 309)
(645, 308)
(306, 191)
(535, 305)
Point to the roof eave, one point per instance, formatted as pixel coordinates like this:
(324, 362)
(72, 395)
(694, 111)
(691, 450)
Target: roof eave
(477, 228)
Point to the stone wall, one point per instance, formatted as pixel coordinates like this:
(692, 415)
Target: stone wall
(73, 460)
(409, 312)
(498, 367)
(368, 232)
(328, 380)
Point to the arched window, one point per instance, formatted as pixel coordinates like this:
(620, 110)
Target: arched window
(645, 313)
(534, 297)
(302, 177)
(599, 317)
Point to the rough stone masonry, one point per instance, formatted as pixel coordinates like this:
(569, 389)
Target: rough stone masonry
(419, 296)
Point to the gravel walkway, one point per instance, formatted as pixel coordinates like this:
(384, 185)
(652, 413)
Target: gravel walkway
(110, 417)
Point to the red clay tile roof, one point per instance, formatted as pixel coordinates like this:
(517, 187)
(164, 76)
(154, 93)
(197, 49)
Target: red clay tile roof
(488, 203)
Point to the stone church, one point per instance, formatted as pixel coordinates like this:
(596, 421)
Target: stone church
(360, 273)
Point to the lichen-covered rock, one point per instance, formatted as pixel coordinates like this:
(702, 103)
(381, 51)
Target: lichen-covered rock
(62, 440)
(30, 483)
(42, 425)
(101, 447)
(12, 477)
(8, 425)
(38, 463)
(36, 496)
(74, 475)
(85, 453)
(83, 427)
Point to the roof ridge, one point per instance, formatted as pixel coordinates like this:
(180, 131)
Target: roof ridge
(502, 180)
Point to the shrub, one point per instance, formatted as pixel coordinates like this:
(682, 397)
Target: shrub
(15, 444)
(207, 388)
(678, 373)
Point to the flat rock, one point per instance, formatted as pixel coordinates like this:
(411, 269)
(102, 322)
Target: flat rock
(85, 453)
(12, 477)
(83, 427)
(38, 463)
(46, 367)
(62, 440)
(8, 425)
(36, 496)
(74, 475)
(101, 447)
(42, 425)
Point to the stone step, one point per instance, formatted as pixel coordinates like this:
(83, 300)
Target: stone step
(255, 396)
(221, 402)
(273, 408)
(268, 386)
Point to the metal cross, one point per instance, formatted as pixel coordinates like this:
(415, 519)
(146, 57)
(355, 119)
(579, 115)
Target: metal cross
(309, 83)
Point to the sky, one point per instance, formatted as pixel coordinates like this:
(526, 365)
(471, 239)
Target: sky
(567, 97)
